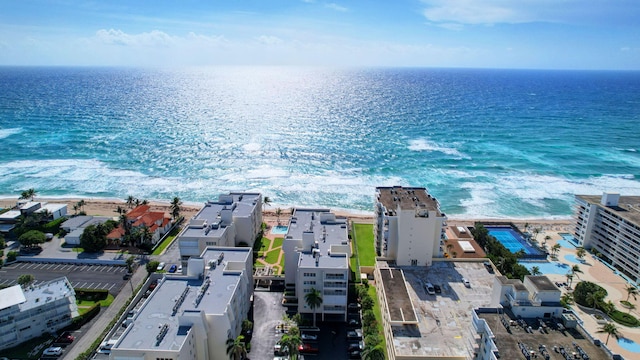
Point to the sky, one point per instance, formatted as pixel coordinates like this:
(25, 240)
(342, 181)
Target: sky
(538, 34)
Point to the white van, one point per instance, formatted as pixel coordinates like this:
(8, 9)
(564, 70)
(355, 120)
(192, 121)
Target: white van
(428, 287)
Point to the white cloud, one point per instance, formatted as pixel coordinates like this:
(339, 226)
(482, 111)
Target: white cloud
(269, 40)
(119, 37)
(471, 11)
(336, 7)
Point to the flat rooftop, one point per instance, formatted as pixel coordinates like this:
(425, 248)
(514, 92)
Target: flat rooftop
(326, 233)
(158, 310)
(399, 302)
(42, 293)
(407, 198)
(628, 206)
(508, 342)
(444, 321)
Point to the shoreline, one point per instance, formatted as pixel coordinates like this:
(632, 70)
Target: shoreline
(106, 207)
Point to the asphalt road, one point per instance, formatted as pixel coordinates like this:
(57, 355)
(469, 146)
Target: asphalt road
(81, 276)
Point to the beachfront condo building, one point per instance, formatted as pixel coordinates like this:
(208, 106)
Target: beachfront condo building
(610, 224)
(235, 219)
(409, 226)
(35, 310)
(191, 316)
(317, 251)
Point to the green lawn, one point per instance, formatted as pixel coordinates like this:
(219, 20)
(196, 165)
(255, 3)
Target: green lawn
(277, 242)
(262, 245)
(364, 241)
(166, 241)
(85, 305)
(272, 256)
(376, 310)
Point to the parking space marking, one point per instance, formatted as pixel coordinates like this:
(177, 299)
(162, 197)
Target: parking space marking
(111, 287)
(83, 285)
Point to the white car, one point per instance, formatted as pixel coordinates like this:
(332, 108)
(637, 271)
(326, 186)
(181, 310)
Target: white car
(466, 282)
(160, 266)
(428, 287)
(52, 351)
(180, 268)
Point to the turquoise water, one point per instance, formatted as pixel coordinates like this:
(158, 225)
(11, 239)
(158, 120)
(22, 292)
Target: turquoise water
(572, 258)
(279, 230)
(487, 143)
(547, 267)
(629, 345)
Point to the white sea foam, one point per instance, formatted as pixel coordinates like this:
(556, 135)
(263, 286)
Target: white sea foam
(429, 146)
(4, 133)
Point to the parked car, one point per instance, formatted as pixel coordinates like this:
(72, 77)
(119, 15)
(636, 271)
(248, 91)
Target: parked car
(355, 354)
(309, 337)
(488, 266)
(353, 306)
(354, 334)
(352, 346)
(52, 351)
(466, 282)
(428, 287)
(173, 268)
(126, 276)
(307, 348)
(180, 268)
(160, 266)
(65, 338)
(354, 322)
(437, 288)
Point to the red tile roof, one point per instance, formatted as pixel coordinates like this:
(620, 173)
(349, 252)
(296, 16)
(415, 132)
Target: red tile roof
(138, 211)
(116, 233)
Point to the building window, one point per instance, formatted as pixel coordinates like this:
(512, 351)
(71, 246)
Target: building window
(309, 274)
(309, 282)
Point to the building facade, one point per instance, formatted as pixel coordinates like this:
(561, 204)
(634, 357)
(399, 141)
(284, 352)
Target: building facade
(191, 316)
(317, 251)
(28, 313)
(234, 219)
(409, 226)
(610, 224)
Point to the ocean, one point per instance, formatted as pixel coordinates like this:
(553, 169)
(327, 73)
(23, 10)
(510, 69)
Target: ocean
(486, 143)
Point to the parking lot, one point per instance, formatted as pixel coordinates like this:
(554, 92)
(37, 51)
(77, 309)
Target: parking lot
(80, 276)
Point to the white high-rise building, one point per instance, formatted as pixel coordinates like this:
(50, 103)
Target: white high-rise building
(409, 226)
(610, 224)
(191, 316)
(317, 251)
(38, 309)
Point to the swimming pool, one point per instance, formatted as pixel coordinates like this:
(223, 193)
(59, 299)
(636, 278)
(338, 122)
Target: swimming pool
(513, 241)
(629, 345)
(279, 230)
(546, 268)
(568, 241)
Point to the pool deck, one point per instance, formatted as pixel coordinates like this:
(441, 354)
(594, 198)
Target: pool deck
(597, 272)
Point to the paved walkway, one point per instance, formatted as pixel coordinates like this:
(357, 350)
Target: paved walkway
(106, 315)
(272, 237)
(597, 272)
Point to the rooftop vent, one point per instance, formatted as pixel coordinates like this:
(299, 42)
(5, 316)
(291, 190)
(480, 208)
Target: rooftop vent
(163, 332)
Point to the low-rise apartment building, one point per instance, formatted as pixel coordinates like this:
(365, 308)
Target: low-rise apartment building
(234, 219)
(317, 251)
(409, 226)
(38, 309)
(610, 224)
(191, 316)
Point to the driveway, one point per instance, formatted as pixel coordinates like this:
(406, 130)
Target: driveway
(268, 312)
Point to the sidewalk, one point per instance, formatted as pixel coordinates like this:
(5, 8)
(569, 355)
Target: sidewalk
(106, 315)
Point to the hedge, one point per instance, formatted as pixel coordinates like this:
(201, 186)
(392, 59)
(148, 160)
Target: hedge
(84, 318)
(91, 294)
(624, 318)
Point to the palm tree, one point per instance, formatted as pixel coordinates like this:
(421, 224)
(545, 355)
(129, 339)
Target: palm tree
(536, 231)
(566, 299)
(449, 247)
(175, 207)
(291, 342)
(28, 194)
(580, 253)
(120, 210)
(556, 249)
(130, 201)
(576, 269)
(81, 204)
(236, 348)
(75, 208)
(546, 238)
(266, 202)
(609, 329)
(374, 353)
(314, 300)
(594, 298)
(526, 226)
(278, 213)
(631, 291)
(630, 307)
(569, 278)
(535, 270)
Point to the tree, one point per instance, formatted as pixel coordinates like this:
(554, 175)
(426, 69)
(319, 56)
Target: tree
(575, 269)
(75, 209)
(526, 226)
(28, 194)
(236, 348)
(291, 342)
(31, 238)
(580, 253)
(631, 291)
(152, 266)
(130, 260)
(314, 300)
(585, 288)
(536, 231)
(25, 279)
(266, 202)
(609, 329)
(367, 303)
(630, 306)
(81, 205)
(278, 213)
(566, 300)
(94, 238)
(130, 200)
(373, 353)
(175, 207)
(535, 271)
(120, 210)
(546, 238)
(556, 249)
(12, 255)
(569, 278)
(595, 298)
(449, 247)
